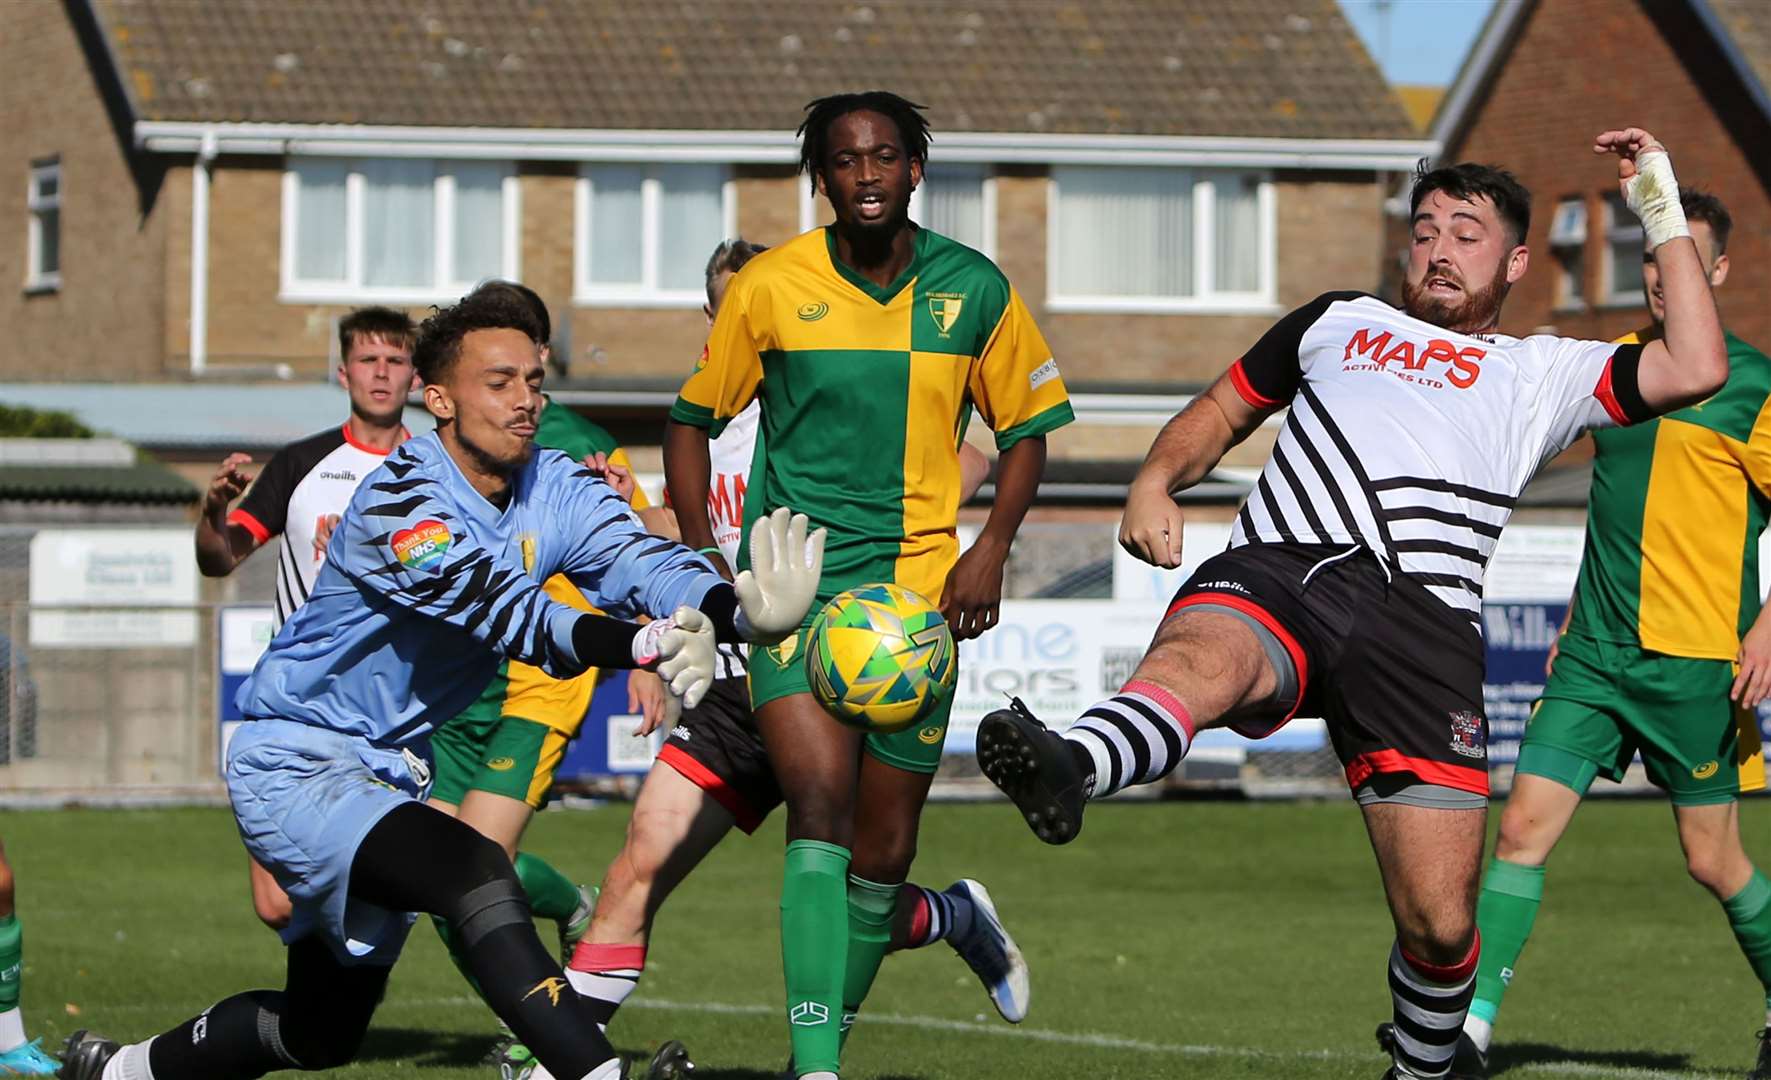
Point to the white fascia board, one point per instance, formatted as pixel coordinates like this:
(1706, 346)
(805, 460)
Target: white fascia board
(1492, 45)
(772, 147)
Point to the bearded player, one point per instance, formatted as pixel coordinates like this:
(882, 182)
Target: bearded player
(1352, 586)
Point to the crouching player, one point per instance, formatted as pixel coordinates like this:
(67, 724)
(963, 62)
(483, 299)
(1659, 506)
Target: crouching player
(432, 575)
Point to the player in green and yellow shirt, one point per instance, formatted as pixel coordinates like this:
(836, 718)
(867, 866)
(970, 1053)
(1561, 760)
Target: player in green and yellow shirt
(869, 343)
(1666, 653)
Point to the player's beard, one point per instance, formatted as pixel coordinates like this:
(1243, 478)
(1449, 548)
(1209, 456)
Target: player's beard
(503, 461)
(1476, 312)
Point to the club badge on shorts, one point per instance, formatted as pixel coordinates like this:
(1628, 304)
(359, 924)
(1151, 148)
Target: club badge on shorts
(1466, 735)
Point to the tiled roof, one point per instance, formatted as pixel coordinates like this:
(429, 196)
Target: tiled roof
(1273, 68)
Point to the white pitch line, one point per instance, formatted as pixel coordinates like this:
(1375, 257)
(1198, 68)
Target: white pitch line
(1093, 1039)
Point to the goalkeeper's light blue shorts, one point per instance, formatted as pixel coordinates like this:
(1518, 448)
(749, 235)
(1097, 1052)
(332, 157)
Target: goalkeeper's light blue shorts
(304, 798)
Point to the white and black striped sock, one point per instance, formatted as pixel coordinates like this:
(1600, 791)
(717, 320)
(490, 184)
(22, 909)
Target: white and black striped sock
(605, 975)
(1134, 737)
(1429, 1007)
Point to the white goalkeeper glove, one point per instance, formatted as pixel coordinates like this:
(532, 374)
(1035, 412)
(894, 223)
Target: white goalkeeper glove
(1653, 195)
(684, 651)
(778, 589)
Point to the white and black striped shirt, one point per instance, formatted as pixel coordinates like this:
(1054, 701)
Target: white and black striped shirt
(303, 483)
(1413, 441)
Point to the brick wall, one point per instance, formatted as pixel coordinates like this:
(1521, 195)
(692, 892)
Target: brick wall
(104, 323)
(1541, 112)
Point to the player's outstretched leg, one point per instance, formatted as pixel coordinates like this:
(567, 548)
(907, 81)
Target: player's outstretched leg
(419, 859)
(19, 1056)
(674, 825)
(964, 916)
(1204, 666)
(315, 1022)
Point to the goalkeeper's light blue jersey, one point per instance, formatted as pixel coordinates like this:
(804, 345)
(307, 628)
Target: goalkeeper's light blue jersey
(427, 585)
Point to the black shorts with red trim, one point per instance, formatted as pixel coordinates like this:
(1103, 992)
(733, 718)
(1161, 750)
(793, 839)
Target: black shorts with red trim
(1396, 673)
(716, 746)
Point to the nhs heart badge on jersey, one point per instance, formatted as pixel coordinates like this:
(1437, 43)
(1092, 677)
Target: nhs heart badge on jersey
(422, 546)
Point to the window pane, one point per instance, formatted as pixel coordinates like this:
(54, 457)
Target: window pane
(1124, 232)
(1238, 241)
(615, 225)
(479, 221)
(953, 203)
(319, 220)
(48, 243)
(399, 222)
(47, 183)
(1626, 268)
(690, 223)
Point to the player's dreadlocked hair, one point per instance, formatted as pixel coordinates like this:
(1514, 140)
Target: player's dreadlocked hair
(814, 132)
(439, 338)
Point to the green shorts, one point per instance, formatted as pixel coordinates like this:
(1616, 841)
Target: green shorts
(1604, 702)
(503, 755)
(779, 671)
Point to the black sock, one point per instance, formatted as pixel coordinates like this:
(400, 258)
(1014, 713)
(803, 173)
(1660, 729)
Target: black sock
(224, 1043)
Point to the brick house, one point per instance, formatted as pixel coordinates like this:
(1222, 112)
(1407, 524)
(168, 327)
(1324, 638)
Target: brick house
(203, 187)
(1699, 77)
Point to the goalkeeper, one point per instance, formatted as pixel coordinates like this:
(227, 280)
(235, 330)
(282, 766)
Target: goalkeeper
(424, 587)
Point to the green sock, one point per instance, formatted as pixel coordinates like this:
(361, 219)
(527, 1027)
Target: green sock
(1504, 914)
(871, 907)
(814, 948)
(1749, 914)
(12, 970)
(552, 895)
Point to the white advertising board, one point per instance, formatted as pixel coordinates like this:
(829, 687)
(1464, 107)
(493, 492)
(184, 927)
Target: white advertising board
(121, 569)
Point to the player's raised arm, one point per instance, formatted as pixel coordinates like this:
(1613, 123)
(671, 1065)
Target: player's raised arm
(223, 538)
(1690, 360)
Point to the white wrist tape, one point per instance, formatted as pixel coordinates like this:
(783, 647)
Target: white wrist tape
(1653, 193)
(645, 643)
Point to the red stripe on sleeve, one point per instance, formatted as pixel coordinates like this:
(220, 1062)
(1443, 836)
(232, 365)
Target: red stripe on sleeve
(251, 524)
(1239, 379)
(1608, 398)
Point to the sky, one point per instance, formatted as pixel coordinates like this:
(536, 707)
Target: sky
(1417, 42)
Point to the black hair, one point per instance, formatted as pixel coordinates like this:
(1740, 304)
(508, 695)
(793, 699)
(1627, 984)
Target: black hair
(1470, 181)
(366, 323)
(528, 296)
(439, 338)
(729, 258)
(814, 131)
(1704, 207)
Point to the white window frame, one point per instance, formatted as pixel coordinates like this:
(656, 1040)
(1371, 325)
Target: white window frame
(808, 207)
(351, 290)
(646, 294)
(1206, 300)
(1620, 224)
(1568, 239)
(37, 280)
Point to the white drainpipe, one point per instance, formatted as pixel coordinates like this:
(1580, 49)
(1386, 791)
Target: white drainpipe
(206, 151)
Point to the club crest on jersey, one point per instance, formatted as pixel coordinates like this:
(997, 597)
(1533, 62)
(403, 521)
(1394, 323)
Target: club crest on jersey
(1370, 350)
(944, 308)
(1466, 735)
(528, 545)
(813, 311)
(423, 545)
(701, 361)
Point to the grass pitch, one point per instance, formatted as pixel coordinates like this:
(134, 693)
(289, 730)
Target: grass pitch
(1179, 939)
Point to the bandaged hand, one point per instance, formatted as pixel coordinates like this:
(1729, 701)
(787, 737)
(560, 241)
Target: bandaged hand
(778, 589)
(681, 649)
(1645, 175)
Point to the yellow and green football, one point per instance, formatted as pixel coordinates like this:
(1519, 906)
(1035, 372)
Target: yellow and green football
(880, 658)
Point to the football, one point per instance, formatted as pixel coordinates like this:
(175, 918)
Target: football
(880, 658)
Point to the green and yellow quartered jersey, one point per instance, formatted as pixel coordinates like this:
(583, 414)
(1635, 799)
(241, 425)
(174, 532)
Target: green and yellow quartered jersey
(1673, 521)
(866, 392)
